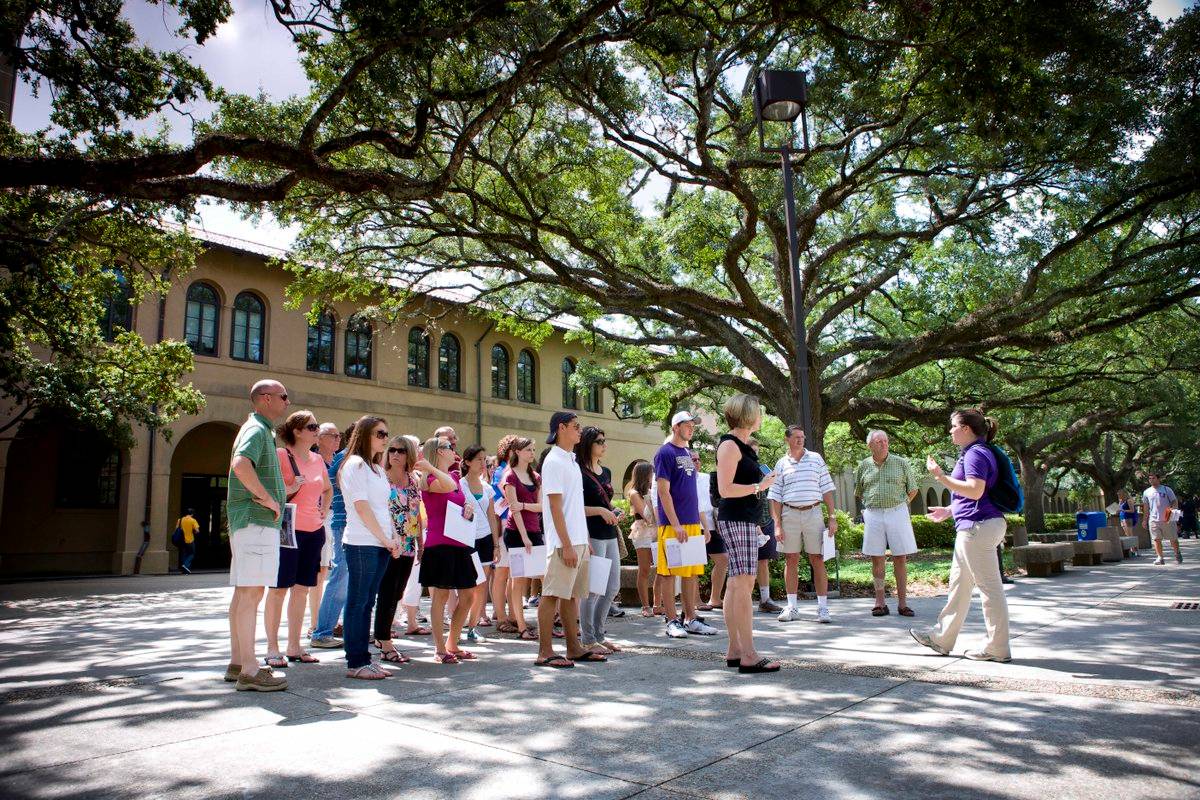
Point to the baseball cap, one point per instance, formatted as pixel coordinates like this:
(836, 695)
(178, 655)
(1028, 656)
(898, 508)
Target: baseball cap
(682, 416)
(559, 418)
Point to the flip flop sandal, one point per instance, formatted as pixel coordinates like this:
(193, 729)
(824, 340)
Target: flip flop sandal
(880, 611)
(446, 658)
(590, 656)
(647, 613)
(304, 658)
(394, 656)
(763, 665)
(906, 612)
(484, 623)
(507, 627)
(528, 635)
(422, 631)
(368, 673)
(733, 662)
(464, 655)
(610, 647)
(557, 662)
(276, 661)
(705, 607)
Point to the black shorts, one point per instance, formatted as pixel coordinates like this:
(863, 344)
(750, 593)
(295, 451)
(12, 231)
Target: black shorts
(512, 539)
(447, 566)
(300, 565)
(486, 547)
(770, 550)
(715, 544)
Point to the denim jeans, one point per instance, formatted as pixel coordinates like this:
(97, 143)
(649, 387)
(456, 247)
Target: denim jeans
(593, 611)
(186, 553)
(334, 598)
(365, 564)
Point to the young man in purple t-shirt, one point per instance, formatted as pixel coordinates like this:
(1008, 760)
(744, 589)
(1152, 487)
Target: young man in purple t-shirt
(678, 517)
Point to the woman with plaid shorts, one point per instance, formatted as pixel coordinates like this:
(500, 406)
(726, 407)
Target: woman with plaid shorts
(739, 480)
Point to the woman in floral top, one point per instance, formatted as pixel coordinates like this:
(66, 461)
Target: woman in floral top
(405, 506)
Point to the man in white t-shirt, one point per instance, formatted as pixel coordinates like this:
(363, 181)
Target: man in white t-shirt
(1158, 502)
(565, 525)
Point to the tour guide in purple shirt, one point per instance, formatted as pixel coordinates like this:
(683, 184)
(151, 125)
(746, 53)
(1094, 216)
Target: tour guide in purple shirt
(980, 527)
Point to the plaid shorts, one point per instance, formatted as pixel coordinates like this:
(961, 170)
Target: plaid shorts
(741, 543)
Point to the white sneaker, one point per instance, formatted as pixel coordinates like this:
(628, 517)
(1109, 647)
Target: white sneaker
(983, 655)
(698, 628)
(675, 630)
(1158, 561)
(823, 615)
(789, 614)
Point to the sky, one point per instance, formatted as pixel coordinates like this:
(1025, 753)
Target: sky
(249, 53)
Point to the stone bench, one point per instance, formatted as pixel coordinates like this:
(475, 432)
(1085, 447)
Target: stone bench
(1128, 545)
(1089, 552)
(1041, 560)
(1016, 536)
(1111, 536)
(1053, 538)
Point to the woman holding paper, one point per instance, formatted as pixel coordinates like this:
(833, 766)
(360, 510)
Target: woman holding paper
(644, 531)
(523, 528)
(368, 540)
(476, 489)
(447, 564)
(739, 481)
(602, 537)
(404, 504)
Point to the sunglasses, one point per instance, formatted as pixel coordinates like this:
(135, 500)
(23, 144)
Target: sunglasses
(281, 396)
(381, 434)
(600, 441)
(313, 427)
(445, 447)
(394, 450)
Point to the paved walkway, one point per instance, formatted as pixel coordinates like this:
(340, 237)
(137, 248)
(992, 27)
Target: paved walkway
(111, 688)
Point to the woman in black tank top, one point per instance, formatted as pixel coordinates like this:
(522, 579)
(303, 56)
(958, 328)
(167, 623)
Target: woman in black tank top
(739, 480)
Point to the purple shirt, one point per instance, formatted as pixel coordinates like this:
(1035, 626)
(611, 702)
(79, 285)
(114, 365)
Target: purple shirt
(975, 461)
(674, 464)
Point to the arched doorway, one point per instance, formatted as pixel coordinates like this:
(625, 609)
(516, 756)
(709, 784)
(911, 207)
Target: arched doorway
(199, 480)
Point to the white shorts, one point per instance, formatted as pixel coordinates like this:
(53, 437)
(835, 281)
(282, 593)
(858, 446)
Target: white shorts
(412, 589)
(888, 529)
(255, 551)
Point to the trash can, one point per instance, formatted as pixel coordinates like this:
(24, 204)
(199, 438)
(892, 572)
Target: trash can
(1088, 524)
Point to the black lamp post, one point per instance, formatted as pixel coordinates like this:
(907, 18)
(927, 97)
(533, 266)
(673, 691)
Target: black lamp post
(782, 96)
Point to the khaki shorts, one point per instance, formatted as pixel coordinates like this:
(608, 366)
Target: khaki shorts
(569, 583)
(802, 530)
(1163, 530)
(255, 551)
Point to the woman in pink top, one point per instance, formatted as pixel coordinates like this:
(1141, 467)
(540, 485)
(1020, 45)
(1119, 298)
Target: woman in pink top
(446, 564)
(307, 485)
(523, 528)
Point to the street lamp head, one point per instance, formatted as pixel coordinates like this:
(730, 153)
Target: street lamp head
(780, 95)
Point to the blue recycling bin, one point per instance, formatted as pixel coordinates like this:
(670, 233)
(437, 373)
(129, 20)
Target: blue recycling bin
(1088, 524)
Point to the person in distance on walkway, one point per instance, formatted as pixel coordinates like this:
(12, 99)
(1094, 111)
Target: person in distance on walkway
(980, 527)
(1158, 501)
(739, 480)
(803, 482)
(886, 484)
(678, 517)
(254, 509)
(187, 527)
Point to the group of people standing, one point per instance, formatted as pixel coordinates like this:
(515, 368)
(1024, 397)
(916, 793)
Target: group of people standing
(378, 518)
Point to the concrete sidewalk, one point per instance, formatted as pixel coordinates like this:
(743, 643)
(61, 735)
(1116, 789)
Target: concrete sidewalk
(111, 688)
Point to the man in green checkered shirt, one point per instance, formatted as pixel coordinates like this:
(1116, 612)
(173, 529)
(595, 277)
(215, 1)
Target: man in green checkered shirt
(886, 484)
(256, 495)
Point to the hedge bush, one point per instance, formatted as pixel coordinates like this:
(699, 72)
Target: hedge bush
(932, 534)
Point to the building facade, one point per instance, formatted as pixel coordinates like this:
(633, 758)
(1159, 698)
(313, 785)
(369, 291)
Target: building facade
(73, 505)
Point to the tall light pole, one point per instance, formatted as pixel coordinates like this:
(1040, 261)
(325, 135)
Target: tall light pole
(782, 96)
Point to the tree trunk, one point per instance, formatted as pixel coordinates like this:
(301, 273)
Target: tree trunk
(1033, 483)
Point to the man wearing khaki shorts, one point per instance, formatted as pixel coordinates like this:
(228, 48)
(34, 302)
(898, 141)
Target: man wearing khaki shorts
(1158, 502)
(803, 483)
(565, 524)
(256, 495)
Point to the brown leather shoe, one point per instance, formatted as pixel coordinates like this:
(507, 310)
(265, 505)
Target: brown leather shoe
(232, 672)
(261, 681)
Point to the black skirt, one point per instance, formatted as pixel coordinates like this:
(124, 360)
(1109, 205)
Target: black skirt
(512, 539)
(485, 546)
(447, 566)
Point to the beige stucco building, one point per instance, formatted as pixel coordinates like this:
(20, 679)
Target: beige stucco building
(71, 506)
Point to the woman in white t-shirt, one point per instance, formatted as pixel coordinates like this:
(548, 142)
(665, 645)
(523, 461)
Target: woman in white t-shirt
(475, 487)
(368, 540)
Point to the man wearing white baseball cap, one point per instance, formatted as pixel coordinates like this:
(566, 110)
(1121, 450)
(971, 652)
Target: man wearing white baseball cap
(678, 516)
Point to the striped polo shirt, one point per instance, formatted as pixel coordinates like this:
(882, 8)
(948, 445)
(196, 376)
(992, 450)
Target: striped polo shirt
(801, 482)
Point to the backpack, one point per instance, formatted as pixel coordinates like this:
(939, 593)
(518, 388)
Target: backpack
(1006, 493)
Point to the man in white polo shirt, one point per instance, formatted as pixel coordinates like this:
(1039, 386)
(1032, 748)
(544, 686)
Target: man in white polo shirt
(803, 482)
(565, 525)
(1158, 501)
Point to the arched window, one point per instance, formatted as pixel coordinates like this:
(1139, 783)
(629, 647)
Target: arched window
(418, 358)
(358, 348)
(449, 362)
(945, 497)
(246, 336)
(570, 397)
(526, 378)
(320, 343)
(118, 311)
(591, 399)
(931, 498)
(500, 371)
(202, 318)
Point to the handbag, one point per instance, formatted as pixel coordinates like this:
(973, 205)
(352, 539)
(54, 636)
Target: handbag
(177, 536)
